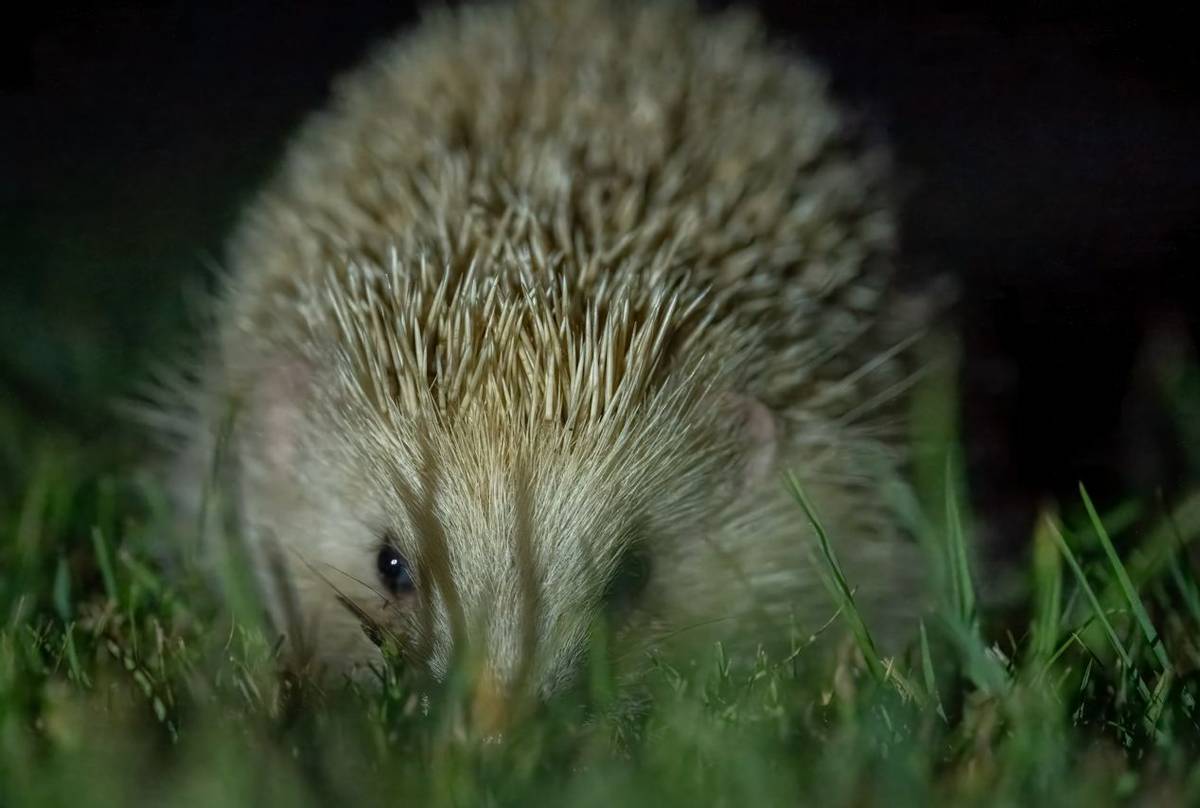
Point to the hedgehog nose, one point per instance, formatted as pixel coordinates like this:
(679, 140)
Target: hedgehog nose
(491, 705)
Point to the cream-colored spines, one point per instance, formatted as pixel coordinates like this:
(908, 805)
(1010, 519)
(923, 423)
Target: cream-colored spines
(599, 137)
(581, 246)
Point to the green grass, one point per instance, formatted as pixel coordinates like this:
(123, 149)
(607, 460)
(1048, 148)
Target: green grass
(124, 682)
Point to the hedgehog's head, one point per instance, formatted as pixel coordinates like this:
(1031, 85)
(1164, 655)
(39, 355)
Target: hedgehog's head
(498, 503)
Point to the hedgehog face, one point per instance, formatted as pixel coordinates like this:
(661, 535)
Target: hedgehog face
(490, 491)
(510, 560)
(483, 541)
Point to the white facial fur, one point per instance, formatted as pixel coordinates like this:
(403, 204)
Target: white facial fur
(513, 533)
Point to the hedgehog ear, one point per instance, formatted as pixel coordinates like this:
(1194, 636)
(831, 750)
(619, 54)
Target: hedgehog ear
(758, 436)
(277, 409)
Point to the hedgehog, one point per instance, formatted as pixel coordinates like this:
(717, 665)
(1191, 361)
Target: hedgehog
(515, 350)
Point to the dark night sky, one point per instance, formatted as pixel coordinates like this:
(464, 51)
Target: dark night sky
(1050, 160)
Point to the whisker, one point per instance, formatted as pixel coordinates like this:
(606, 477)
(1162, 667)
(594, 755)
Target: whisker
(387, 601)
(371, 627)
(886, 396)
(879, 359)
(287, 594)
(671, 634)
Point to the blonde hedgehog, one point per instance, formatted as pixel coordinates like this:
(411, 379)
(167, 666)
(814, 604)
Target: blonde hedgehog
(523, 337)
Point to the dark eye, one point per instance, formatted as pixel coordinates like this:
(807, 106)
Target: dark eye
(394, 570)
(629, 579)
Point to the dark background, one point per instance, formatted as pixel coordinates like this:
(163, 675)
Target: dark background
(1049, 161)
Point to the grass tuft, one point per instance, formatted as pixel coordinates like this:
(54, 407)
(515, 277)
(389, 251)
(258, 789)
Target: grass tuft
(125, 680)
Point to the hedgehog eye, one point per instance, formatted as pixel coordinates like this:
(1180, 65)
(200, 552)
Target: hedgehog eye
(629, 579)
(394, 570)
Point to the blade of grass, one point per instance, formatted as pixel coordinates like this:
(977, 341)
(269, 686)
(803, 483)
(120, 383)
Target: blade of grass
(1186, 584)
(104, 560)
(1179, 529)
(1047, 584)
(1131, 595)
(979, 665)
(927, 672)
(835, 581)
(77, 673)
(1097, 609)
(960, 568)
(61, 590)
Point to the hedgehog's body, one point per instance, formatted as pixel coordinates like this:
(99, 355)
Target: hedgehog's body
(549, 289)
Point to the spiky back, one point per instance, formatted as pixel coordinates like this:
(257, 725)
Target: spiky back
(578, 193)
(518, 342)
